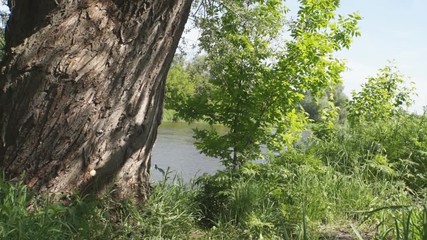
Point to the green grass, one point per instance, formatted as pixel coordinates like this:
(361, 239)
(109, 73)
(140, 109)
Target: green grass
(265, 202)
(351, 184)
(168, 214)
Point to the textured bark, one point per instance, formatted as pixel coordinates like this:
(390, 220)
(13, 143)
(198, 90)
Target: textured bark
(81, 91)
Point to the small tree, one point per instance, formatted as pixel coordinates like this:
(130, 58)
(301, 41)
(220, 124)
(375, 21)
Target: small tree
(258, 78)
(381, 97)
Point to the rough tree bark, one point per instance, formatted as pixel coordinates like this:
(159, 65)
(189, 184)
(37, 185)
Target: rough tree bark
(81, 91)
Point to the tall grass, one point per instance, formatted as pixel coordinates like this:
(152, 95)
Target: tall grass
(22, 217)
(170, 213)
(394, 149)
(330, 187)
(291, 201)
(355, 184)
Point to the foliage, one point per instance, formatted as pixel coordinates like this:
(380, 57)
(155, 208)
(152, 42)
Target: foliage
(258, 78)
(316, 190)
(393, 148)
(185, 79)
(381, 137)
(369, 175)
(381, 97)
(295, 195)
(364, 180)
(314, 106)
(169, 115)
(178, 85)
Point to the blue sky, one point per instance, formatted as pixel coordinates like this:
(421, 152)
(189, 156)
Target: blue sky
(392, 30)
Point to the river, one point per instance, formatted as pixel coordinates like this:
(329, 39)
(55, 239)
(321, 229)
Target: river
(174, 148)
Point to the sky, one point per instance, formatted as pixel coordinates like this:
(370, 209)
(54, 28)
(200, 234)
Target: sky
(392, 30)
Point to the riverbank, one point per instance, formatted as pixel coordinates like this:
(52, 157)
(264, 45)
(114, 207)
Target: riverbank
(354, 183)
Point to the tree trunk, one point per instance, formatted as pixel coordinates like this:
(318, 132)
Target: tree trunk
(81, 91)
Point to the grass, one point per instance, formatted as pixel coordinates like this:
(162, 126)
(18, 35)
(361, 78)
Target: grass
(302, 202)
(169, 214)
(351, 185)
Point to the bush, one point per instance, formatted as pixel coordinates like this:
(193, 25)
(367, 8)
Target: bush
(393, 149)
(295, 195)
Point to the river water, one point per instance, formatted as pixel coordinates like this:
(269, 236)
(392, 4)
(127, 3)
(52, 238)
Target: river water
(174, 148)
